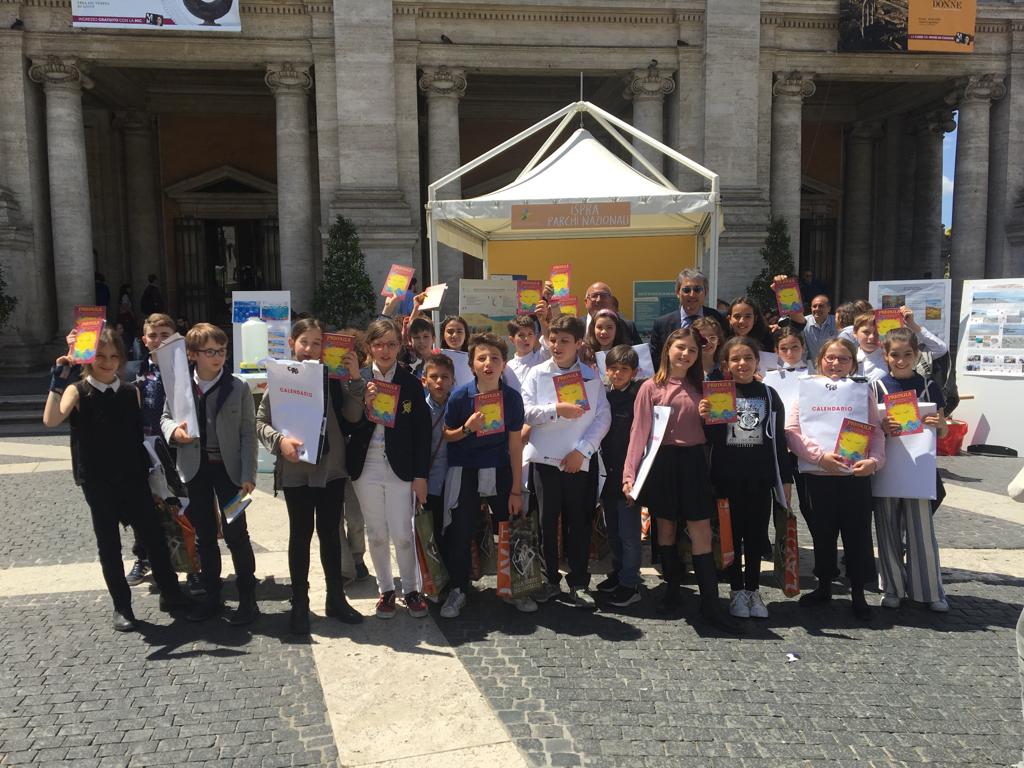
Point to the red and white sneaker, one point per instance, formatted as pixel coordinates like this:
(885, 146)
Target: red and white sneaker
(416, 605)
(386, 605)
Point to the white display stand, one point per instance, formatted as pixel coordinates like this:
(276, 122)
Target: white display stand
(992, 413)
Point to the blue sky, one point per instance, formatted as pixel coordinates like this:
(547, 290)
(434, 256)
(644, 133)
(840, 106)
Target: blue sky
(948, 166)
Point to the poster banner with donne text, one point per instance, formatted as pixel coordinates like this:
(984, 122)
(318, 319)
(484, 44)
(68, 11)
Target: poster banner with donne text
(173, 15)
(936, 26)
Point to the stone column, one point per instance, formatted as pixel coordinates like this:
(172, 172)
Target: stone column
(290, 84)
(63, 80)
(889, 197)
(858, 204)
(444, 87)
(647, 88)
(929, 131)
(788, 94)
(905, 265)
(142, 209)
(973, 97)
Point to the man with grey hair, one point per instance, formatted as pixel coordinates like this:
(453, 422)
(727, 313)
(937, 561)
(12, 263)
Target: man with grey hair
(692, 289)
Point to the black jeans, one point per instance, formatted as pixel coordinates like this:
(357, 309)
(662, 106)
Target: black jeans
(129, 500)
(750, 509)
(466, 517)
(574, 496)
(208, 492)
(841, 505)
(324, 506)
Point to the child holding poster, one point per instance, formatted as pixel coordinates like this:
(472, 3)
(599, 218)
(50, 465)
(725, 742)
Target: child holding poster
(564, 437)
(916, 574)
(749, 464)
(483, 431)
(840, 496)
(111, 465)
(315, 493)
(678, 486)
(389, 465)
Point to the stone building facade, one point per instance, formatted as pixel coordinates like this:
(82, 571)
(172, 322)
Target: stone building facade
(217, 160)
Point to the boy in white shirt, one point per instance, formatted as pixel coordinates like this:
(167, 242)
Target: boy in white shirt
(523, 332)
(563, 441)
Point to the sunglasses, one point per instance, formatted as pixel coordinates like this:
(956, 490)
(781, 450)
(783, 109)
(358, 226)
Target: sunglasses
(688, 289)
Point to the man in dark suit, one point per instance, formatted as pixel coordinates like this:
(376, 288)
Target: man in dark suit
(692, 289)
(599, 296)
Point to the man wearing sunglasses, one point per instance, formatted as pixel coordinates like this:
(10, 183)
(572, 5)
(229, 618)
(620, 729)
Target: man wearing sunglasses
(692, 289)
(599, 296)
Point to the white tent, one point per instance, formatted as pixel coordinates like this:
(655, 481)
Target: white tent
(580, 190)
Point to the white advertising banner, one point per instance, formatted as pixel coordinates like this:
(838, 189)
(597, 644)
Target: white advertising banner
(175, 15)
(931, 301)
(823, 406)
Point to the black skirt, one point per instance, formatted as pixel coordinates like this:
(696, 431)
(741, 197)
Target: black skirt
(678, 486)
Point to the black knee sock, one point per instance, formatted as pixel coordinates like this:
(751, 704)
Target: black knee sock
(707, 581)
(669, 557)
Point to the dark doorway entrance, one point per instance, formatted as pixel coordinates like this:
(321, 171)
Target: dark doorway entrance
(218, 256)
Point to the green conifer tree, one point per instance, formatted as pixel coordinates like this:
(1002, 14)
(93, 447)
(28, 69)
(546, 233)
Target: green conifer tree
(778, 259)
(344, 296)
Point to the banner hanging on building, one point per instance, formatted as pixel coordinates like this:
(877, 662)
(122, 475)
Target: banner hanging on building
(938, 26)
(179, 15)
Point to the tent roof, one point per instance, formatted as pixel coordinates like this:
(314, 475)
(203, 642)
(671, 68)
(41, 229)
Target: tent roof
(579, 171)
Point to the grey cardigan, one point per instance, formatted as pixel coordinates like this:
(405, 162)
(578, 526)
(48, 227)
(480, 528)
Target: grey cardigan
(236, 433)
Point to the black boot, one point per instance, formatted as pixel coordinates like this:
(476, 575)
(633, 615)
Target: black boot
(861, 609)
(298, 622)
(207, 608)
(819, 596)
(670, 598)
(175, 600)
(337, 606)
(248, 611)
(710, 606)
(123, 619)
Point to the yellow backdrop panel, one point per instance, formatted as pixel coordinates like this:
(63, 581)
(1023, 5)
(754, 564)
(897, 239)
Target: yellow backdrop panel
(617, 261)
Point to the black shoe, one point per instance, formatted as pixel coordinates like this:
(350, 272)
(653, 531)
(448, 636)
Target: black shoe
(175, 601)
(361, 570)
(670, 602)
(138, 573)
(298, 621)
(247, 612)
(624, 596)
(123, 620)
(860, 606)
(818, 597)
(205, 610)
(339, 608)
(609, 585)
(194, 585)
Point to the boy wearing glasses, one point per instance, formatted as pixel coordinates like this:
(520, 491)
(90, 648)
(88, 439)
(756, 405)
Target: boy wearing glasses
(692, 289)
(217, 466)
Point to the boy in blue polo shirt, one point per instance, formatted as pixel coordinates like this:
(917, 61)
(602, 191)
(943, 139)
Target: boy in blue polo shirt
(485, 460)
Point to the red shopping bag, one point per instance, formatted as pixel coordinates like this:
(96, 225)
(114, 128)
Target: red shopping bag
(504, 560)
(725, 532)
(791, 583)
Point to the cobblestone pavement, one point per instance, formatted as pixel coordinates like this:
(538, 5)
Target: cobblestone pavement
(77, 694)
(616, 688)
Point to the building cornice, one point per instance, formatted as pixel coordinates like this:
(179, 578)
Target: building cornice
(631, 17)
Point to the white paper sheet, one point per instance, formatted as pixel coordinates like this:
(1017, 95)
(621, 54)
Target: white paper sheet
(769, 361)
(910, 466)
(296, 392)
(645, 370)
(435, 293)
(463, 373)
(823, 406)
(658, 425)
(177, 381)
(787, 384)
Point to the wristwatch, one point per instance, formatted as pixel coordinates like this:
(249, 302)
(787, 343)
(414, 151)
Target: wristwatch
(466, 430)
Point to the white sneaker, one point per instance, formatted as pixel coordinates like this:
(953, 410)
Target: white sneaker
(758, 610)
(522, 604)
(740, 605)
(890, 601)
(939, 606)
(453, 605)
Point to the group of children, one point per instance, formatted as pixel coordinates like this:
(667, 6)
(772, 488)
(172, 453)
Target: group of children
(620, 444)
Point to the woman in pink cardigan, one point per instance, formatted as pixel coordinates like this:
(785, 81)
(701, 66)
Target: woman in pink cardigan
(840, 496)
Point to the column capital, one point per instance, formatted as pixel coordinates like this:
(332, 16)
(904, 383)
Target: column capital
(443, 81)
(650, 83)
(61, 72)
(134, 121)
(977, 88)
(287, 77)
(938, 121)
(866, 130)
(798, 84)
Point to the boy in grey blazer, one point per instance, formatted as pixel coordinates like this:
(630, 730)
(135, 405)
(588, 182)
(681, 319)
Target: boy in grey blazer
(217, 466)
